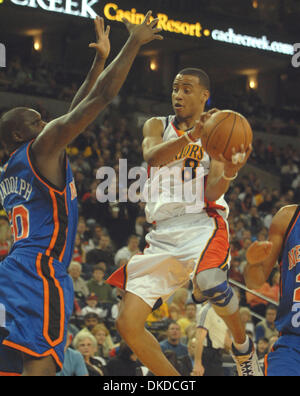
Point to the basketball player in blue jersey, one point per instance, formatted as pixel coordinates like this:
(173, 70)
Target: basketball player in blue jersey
(283, 246)
(38, 193)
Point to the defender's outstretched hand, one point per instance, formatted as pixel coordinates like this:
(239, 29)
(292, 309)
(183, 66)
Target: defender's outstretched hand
(145, 32)
(102, 45)
(258, 252)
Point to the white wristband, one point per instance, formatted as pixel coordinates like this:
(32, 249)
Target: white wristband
(229, 178)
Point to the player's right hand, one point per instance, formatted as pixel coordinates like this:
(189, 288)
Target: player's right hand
(258, 252)
(145, 32)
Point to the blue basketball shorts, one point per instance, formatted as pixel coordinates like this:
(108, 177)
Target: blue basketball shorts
(284, 359)
(36, 302)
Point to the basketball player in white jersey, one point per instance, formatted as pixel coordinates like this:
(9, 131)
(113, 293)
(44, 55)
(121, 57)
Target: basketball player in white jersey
(189, 239)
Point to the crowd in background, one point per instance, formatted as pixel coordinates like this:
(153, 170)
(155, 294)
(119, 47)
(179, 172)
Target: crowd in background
(36, 77)
(42, 78)
(110, 233)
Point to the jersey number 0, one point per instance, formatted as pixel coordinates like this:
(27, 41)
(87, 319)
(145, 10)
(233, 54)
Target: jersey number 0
(19, 221)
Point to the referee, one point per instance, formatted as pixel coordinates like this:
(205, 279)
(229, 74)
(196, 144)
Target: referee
(212, 337)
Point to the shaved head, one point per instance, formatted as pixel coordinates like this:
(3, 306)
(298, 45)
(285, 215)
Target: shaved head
(17, 127)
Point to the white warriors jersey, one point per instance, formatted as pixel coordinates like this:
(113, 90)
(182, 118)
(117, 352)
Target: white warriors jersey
(177, 188)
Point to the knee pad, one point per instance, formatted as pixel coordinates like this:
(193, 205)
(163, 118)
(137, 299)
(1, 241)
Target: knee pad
(214, 286)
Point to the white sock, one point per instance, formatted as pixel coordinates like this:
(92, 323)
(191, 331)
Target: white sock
(243, 348)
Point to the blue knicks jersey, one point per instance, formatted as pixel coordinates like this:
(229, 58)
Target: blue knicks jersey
(288, 318)
(43, 218)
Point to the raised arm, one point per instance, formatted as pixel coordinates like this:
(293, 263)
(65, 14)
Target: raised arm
(61, 131)
(263, 256)
(102, 47)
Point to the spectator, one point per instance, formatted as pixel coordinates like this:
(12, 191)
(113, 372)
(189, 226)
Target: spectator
(90, 321)
(296, 182)
(275, 283)
(82, 230)
(74, 365)
(103, 251)
(254, 222)
(79, 252)
(262, 348)
(124, 364)
(269, 217)
(174, 312)
(92, 209)
(172, 343)
(91, 307)
(257, 304)
(126, 252)
(246, 319)
(80, 286)
(235, 272)
(267, 204)
(104, 340)
(289, 172)
(86, 344)
(247, 203)
(239, 228)
(189, 318)
(97, 286)
(122, 221)
(266, 328)
(96, 234)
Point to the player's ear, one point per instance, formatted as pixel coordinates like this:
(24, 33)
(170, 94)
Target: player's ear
(205, 95)
(17, 136)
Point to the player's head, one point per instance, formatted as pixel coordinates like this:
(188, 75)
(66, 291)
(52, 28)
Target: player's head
(18, 126)
(191, 90)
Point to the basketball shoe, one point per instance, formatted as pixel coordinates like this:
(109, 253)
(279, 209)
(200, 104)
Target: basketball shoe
(247, 363)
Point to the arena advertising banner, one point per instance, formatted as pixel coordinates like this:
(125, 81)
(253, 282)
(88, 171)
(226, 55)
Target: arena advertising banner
(112, 12)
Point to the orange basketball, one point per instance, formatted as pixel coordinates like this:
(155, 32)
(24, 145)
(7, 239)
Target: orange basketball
(224, 131)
